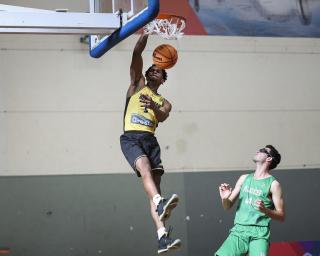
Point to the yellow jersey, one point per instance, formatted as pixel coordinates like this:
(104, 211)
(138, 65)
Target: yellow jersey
(135, 116)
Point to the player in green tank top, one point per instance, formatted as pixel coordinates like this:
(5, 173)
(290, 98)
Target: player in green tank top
(260, 200)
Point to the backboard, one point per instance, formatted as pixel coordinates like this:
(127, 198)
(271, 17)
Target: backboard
(108, 21)
(132, 14)
(128, 6)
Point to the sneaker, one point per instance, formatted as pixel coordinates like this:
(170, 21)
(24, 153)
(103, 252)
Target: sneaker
(166, 243)
(165, 207)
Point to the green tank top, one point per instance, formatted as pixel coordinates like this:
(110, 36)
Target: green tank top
(251, 191)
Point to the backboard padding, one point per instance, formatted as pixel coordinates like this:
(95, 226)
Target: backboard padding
(132, 15)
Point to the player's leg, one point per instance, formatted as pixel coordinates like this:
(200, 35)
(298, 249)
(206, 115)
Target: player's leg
(137, 158)
(159, 224)
(259, 242)
(259, 247)
(164, 205)
(165, 242)
(234, 245)
(144, 168)
(139, 150)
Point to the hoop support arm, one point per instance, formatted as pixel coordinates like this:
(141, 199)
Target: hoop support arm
(128, 29)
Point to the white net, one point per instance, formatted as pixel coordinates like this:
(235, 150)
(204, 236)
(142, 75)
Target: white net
(169, 28)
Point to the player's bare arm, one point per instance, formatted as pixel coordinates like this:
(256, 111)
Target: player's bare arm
(229, 196)
(162, 113)
(278, 213)
(137, 79)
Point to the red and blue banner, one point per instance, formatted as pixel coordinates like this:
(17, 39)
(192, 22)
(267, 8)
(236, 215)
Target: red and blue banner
(305, 248)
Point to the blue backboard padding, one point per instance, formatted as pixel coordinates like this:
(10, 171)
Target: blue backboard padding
(128, 29)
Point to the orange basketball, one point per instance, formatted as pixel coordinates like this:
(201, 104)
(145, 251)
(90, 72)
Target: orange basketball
(165, 56)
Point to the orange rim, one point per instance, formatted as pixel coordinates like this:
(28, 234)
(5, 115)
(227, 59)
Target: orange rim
(166, 16)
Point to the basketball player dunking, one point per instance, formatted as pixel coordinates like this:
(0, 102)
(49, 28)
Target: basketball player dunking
(143, 110)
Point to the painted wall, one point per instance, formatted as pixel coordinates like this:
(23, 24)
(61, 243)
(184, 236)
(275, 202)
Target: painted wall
(108, 214)
(61, 111)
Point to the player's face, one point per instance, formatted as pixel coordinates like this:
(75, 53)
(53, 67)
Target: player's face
(261, 155)
(155, 74)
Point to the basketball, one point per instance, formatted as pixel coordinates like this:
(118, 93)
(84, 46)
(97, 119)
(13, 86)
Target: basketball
(165, 56)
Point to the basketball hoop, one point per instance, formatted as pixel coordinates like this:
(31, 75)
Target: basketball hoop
(169, 26)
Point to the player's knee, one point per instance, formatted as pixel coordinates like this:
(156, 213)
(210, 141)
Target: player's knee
(143, 166)
(145, 172)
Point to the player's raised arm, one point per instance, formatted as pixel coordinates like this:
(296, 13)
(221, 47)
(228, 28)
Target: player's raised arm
(137, 63)
(229, 196)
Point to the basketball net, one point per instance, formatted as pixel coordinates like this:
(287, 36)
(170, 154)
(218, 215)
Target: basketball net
(166, 25)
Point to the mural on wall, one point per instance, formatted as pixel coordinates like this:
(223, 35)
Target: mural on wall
(284, 18)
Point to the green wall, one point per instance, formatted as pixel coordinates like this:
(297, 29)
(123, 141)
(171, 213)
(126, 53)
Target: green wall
(109, 214)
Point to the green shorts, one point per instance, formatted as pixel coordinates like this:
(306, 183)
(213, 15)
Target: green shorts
(243, 240)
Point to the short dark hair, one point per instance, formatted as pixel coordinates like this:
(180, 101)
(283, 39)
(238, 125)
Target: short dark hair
(164, 72)
(276, 157)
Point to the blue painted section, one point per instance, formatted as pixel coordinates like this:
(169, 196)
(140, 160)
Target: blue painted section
(128, 29)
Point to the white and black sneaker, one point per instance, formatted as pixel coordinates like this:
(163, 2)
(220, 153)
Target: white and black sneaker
(165, 243)
(165, 207)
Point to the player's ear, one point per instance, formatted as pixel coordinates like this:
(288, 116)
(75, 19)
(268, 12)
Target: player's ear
(269, 159)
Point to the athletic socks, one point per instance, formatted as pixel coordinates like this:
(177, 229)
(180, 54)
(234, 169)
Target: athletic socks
(156, 199)
(161, 232)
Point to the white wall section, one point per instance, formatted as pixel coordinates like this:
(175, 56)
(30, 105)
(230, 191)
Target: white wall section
(61, 110)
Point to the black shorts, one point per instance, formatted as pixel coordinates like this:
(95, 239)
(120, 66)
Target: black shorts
(135, 144)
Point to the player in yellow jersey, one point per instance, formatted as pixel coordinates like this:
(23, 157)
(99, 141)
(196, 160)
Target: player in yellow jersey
(145, 107)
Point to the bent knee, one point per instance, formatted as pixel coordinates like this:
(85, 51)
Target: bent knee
(143, 166)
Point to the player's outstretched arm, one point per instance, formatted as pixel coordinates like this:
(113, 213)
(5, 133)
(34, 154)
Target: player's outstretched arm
(136, 76)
